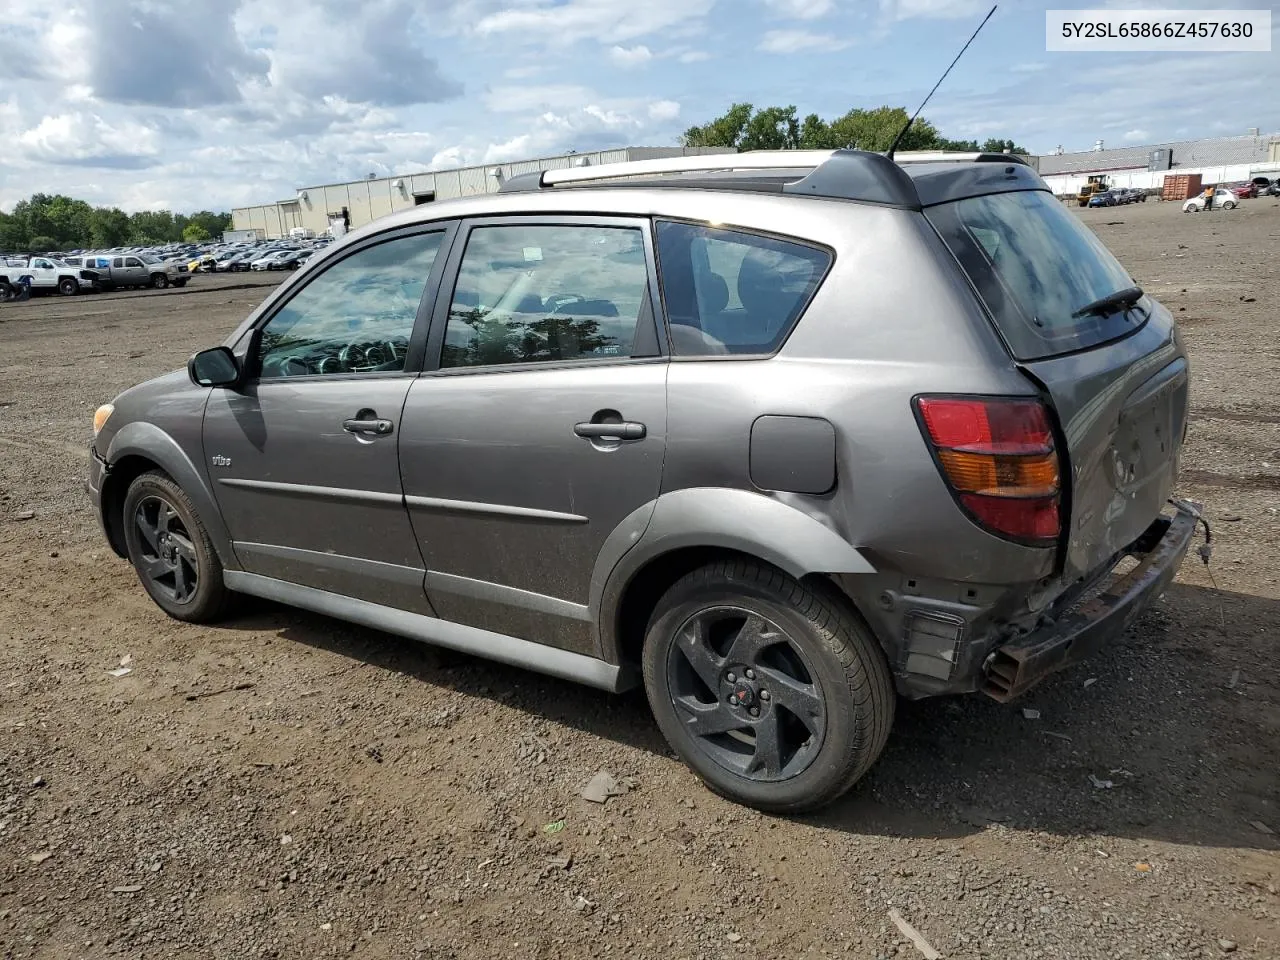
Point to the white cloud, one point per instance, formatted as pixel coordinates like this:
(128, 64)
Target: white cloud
(1136, 136)
(801, 9)
(607, 21)
(524, 99)
(694, 56)
(630, 56)
(81, 138)
(1034, 66)
(930, 9)
(796, 41)
(664, 110)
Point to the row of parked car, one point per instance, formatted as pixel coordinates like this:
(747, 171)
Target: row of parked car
(255, 258)
(1118, 197)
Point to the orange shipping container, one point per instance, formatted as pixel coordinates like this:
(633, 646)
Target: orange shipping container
(1181, 186)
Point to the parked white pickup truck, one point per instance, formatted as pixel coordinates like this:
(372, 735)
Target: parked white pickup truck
(46, 273)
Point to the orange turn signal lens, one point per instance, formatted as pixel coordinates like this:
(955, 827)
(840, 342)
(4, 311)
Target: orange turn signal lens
(1001, 476)
(101, 415)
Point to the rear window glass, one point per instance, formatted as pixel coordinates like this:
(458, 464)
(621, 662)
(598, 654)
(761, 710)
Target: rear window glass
(1035, 265)
(729, 292)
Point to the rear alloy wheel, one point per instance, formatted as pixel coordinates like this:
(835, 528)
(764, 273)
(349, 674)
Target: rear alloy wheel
(774, 694)
(1229, 205)
(171, 551)
(159, 281)
(68, 287)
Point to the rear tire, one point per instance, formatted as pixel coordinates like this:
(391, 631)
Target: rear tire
(171, 551)
(6, 291)
(817, 681)
(1229, 205)
(68, 287)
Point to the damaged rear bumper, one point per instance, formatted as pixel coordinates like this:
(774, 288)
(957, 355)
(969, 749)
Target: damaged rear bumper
(1099, 616)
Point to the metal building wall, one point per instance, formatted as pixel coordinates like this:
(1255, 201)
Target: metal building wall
(367, 200)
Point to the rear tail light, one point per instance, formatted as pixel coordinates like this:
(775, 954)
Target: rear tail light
(999, 459)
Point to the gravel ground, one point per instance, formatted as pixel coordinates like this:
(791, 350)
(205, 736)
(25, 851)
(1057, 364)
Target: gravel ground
(289, 786)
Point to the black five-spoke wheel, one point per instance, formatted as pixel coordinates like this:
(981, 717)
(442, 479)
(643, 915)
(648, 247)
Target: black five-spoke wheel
(171, 550)
(775, 693)
(746, 694)
(168, 557)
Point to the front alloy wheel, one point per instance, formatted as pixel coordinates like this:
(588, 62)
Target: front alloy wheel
(171, 551)
(167, 557)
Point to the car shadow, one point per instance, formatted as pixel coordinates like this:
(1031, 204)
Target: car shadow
(1172, 733)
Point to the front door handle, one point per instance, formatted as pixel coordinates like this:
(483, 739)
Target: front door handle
(376, 426)
(627, 430)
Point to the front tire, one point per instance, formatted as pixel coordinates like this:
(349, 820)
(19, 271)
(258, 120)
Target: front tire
(159, 281)
(776, 695)
(171, 551)
(68, 287)
(1229, 205)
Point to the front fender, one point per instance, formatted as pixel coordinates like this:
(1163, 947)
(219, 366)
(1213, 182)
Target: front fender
(739, 520)
(142, 439)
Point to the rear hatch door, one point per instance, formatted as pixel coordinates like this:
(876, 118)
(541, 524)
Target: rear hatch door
(1107, 356)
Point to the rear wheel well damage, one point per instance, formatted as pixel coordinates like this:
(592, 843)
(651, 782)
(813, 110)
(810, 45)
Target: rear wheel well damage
(114, 489)
(656, 577)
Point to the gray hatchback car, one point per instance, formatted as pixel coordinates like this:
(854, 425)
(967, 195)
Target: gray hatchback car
(782, 436)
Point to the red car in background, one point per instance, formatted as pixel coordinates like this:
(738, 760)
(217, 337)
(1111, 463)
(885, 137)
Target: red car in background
(1244, 191)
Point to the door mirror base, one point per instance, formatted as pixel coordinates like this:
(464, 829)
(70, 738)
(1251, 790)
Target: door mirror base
(215, 367)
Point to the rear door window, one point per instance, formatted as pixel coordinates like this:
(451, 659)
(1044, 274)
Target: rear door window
(731, 292)
(549, 293)
(1035, 266)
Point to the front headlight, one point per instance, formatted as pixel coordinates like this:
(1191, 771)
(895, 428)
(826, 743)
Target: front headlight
(101, 415)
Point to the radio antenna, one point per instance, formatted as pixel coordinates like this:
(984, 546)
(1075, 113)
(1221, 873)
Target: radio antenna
(902, 133)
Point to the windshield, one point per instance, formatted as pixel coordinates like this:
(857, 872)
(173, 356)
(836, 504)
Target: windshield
(1035, 265)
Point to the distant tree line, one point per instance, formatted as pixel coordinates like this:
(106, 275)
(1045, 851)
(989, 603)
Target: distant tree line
(45, 222)
(745, 127)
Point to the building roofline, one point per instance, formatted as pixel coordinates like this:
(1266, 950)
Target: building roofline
(508, 163)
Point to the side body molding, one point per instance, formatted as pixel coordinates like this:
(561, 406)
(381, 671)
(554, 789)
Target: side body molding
(731, 519)
(141, 439)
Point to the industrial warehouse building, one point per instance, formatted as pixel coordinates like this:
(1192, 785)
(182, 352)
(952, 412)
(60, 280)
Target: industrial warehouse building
(1218, 160)
(315, 209)
(356, 203)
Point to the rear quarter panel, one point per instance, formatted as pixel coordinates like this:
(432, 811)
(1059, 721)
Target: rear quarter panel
(892, 320)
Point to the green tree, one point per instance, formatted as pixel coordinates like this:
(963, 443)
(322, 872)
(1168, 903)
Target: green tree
(215, 224)
(152, 226)
(13, 233)
(725, 131)
(1000, 146)
(743, 127)
(108, 227)
(43, 245)
(194, 233)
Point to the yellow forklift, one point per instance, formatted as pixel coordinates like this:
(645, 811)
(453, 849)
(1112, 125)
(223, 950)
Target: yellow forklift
(1097, 184)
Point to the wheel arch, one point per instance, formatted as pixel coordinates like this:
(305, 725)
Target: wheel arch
(138, 447)
(688, 528)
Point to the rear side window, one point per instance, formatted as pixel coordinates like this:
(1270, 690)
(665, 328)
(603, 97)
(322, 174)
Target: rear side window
(548, 293)
(729, 292)
(1035, 266)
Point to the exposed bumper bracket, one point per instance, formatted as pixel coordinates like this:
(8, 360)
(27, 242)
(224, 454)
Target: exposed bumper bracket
(1098, 617)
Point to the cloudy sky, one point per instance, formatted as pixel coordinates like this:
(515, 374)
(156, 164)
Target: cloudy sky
(202, 104)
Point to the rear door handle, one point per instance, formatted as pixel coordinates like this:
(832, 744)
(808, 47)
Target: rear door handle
(627, 430)
(377, 427)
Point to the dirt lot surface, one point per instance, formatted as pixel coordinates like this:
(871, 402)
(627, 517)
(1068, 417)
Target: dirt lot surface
(368, 797)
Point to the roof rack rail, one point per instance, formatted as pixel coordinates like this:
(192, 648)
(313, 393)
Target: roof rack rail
(943, 156)
(834, 174)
